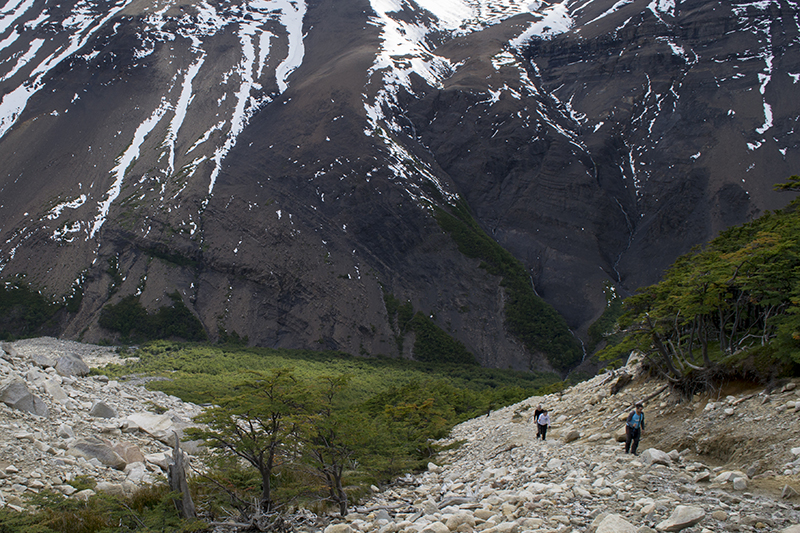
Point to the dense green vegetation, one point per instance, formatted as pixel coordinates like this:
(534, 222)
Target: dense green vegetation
(196, 371)
(731, 307)
(319, 427)
(150, 509)
(431, 343)
(527, 316)
(25, 312)
(132, 321)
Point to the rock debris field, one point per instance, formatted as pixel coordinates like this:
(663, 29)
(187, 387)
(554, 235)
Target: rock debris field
(57, 424)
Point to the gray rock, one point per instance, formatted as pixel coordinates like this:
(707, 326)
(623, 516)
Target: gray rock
(101, 409)
(42, 360)
(71, 365)
(65, 432)
(15, 394)
(791, 529)
(338, 528)
(596, 522)
(52, 388)
(129, 452)
(571, 436)
(682, 517)
(614, 523)
(652, 456)
(155, 425)
(436, 527)
(94, 448)
(115, 489)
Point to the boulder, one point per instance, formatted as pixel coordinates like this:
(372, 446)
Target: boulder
(157, 426)
(15, 394)
(338, 528)
(55, 391)
(71, 365)
(682, 517)
(571, 436)
(129, 452)
(160, 459)
(596, 522)
(436, 527)
(65, 432)
(115, 489)
(101, 409)
(42, 360)
(652, 456)
(788, 492)
(614, 523)
(621, 382)
(94, 448)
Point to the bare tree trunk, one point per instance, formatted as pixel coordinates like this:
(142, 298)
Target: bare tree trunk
(176, 473)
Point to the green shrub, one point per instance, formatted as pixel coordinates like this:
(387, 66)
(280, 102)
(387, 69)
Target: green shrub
(134, 324)
(527, 316)
(25, 312)
(433, 344)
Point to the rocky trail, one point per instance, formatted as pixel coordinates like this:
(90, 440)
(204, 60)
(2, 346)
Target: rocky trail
(723, 462)
(734, 467)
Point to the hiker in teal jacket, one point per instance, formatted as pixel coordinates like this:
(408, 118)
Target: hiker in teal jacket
(633, 429)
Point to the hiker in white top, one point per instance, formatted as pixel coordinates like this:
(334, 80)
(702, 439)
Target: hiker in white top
(543, 421)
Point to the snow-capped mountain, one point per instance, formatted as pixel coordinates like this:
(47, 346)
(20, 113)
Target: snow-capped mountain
(277, 161)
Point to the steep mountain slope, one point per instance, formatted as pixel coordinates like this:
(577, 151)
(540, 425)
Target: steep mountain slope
(278, 162)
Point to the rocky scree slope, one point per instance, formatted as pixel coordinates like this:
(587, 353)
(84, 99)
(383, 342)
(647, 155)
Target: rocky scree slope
(710, 460)
(277, 162)
(500, 478)
(57, 424)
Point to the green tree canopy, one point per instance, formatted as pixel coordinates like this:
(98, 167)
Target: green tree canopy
(741, 291)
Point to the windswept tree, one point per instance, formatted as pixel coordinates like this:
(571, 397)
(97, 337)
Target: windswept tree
(258, 422)
(738, 293)
(334, 436)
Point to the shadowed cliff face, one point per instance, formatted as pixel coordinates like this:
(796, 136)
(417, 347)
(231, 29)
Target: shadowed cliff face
(277, 163)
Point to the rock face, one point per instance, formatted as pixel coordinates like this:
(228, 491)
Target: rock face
(282, 179)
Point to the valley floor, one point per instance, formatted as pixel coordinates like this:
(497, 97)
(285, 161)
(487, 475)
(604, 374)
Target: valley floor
(732, 462)
(727, 462)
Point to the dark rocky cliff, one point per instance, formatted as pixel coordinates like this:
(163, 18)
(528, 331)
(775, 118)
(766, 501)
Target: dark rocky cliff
(278, 164)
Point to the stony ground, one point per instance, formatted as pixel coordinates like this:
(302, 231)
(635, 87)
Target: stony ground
(730, 460)
(116, 434)
(722, 462)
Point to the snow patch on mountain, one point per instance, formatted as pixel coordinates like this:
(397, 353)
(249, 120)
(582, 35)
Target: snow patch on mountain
(81, 26)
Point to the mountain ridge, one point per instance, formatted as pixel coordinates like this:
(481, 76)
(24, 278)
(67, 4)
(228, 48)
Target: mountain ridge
(277, 163)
